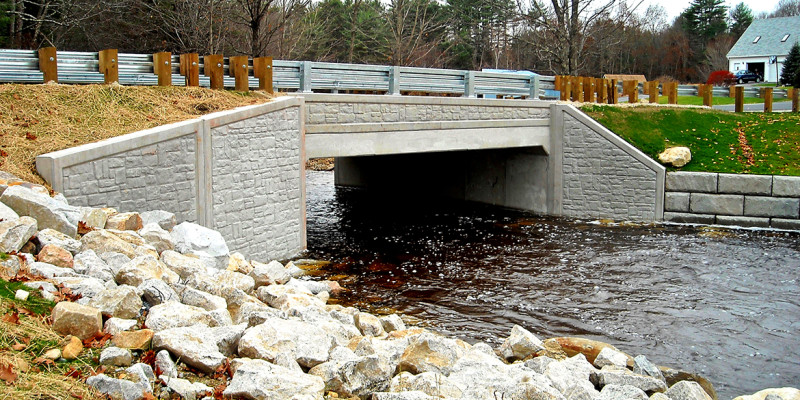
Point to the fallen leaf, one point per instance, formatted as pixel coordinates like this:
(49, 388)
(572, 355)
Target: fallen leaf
(11, 318)
(30, 136)
(7, 373)
(74, 373)
(18, 347)
(83, 228)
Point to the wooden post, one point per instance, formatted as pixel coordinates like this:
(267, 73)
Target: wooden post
(238, 69)
(48, 64)
(708, 95)
(212, 68)
(768, 100)
(588, 90)
(109, 65)
(614, 93)
(558, 84)
(673, 93)
(565, 94)
(190, 69)
(262, 69)
(601, 87)
(795, 100)
(162, 66)
(732, 90)
(739, 99)
(653, 91)
(633, 91)
(577, 88)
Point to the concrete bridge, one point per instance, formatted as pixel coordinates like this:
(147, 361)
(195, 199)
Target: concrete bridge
(242, 171)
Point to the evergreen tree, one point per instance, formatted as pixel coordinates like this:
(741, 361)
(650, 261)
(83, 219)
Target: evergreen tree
(790, 75)
(741, 18)
(705, 19)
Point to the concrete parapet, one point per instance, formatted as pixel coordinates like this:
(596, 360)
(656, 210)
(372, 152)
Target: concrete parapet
(780, 223)
(702, 182)
(748, 222)
(771, 207)
(720, 204)
(688, 218)
(676, 202)
(786, 186)
(745, 184)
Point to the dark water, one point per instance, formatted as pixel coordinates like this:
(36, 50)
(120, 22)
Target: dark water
(725, 304)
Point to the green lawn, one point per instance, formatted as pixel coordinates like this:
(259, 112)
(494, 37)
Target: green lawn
(718, 101)
(751, 143)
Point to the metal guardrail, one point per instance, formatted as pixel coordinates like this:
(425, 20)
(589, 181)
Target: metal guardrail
(22, 66)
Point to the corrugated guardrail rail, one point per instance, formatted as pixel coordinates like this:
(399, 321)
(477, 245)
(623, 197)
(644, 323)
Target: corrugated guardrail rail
(22, 66)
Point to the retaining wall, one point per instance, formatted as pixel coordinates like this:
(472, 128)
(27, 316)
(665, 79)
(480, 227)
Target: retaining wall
(731, 199)
(239, 171)
(596, 174)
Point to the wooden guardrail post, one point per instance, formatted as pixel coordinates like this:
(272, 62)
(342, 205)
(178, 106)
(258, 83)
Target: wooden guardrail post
(48, 64)
(633, 91)
(162, 66)
(653, 89)
(614, 93)
(578, 88)
(739, 107)
(601, 86)
(565, 94)
(673, 93)
(768, 99)
(708, 95)
(262, 69)
(795, 100)
(239, 70)
(213, 69)
(732, 90)
(588, 90)
(108, 65)
(190, 68)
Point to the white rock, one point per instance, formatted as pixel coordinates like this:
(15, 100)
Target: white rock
(310, 345)
(392, 322)
(258, 379)
(284, 298)
(687, 390)
(16, 232)
(123, 302)
(115, 388)
(676, 156)
(41, 285)
(174, 314)
(157, 237)
(184, 266)
(114, 260)
(430, 383)
(116, 356)
(89, 263)
(412, 395)
(21, 295)
(103, 241)
(199, 346)
(785, 393)
(566, 374)
(520, 344)
(94, 217)
(355, 376)
(50, 271)
(207, 244)
(187, 390)
(130, 221)
(166, 220)
(49, 213)
(238, 263)
(268, 274)
(293, 270)
(165, 365)
(52, 236)
(156, 291)
(114, 325)
(620, 392)
(609, 356)
(369, 325)
(143, 268)
(198, 298)
(87, 287)
(430, 352)
(76, 320)
(10, 266)
(6, 213)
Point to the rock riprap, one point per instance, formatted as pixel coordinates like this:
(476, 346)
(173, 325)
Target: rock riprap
(173, 290)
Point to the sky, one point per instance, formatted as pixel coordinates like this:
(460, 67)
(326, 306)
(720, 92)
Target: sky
(675, 7)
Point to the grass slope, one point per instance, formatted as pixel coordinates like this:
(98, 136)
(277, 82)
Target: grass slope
(717, 101)
(750, 143)
(37, 119)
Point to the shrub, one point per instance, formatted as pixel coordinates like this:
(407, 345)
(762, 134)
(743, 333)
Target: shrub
(721, 78)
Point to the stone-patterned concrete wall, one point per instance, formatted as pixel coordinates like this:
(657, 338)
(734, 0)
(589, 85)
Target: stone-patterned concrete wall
(238, 171)
(257, 198)
(346, 109)
(604, 177)
(731, 199)
(157, 176)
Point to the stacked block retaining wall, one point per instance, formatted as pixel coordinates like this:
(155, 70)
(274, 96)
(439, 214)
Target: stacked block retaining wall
(731, 199)
(239, 171)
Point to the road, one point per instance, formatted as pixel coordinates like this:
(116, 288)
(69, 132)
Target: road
(783, 106)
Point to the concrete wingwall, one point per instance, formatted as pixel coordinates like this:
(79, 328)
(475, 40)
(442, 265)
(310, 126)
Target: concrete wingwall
(596, 174)
(241, 172)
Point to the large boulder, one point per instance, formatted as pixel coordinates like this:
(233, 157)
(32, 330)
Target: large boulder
(174, 314)
(206, 243)
(87, 287)
(675, 156)
(49, 271)
(117, 388)
(220, 280)
(157, 237)
(309, 344)
(56, 255)
(95, 218)
(284, 298)
(368, 324)
(156, 291)
(623, 377)
(199, 346)
(48, 212)
(165, 219)
(430, 383)
(6, 213)
(350, 375)
(612, 357)
(198, 298)
(124, 222)
(77, 320)
(144, 268)
(786, 393)
(15, 233)
(90, 264)
(431, 352)
(268, 274)
(103, 241)
(687, 390)
(520, 344)
(258, 379)
(122, 302)
(183, 265)
(621, 392)
(52, 236)
(116, 357)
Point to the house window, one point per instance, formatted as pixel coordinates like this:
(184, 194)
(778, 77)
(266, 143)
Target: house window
(785, 37)
(756, 39)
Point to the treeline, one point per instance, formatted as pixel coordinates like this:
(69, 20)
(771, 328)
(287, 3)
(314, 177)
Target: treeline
(558, 37)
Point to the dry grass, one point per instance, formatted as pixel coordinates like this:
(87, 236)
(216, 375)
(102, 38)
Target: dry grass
(38, 119)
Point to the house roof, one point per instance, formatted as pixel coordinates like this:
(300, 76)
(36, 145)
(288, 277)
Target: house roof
(771, 31)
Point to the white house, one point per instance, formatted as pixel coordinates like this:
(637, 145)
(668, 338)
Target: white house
(764, 46)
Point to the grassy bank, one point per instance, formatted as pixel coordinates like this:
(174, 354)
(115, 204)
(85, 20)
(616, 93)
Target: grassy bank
(718, 101)
(751, 143)
(37, 119)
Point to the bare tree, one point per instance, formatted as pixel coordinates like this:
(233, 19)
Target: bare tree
(716, 55)
(190, 25)
(41, 22)
(417, 28)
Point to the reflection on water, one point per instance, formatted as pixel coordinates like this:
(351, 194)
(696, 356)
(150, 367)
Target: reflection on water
(725, 304)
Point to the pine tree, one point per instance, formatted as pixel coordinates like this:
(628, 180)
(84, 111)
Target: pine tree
(790, 75)
(741, 18)
(706, 18)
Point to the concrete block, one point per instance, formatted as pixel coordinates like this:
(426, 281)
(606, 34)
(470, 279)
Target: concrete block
(703, 182)
(720, 204)
(758, 206)
(676, 201)
(686, 218)
(743, 221)
(786, 186)
(780, 223)
(745, 184)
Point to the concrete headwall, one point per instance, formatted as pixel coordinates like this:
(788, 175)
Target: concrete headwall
(240, 172)
(596, 174)
(731, 199)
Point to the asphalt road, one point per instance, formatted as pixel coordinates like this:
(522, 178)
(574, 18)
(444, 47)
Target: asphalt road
(783, 106)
